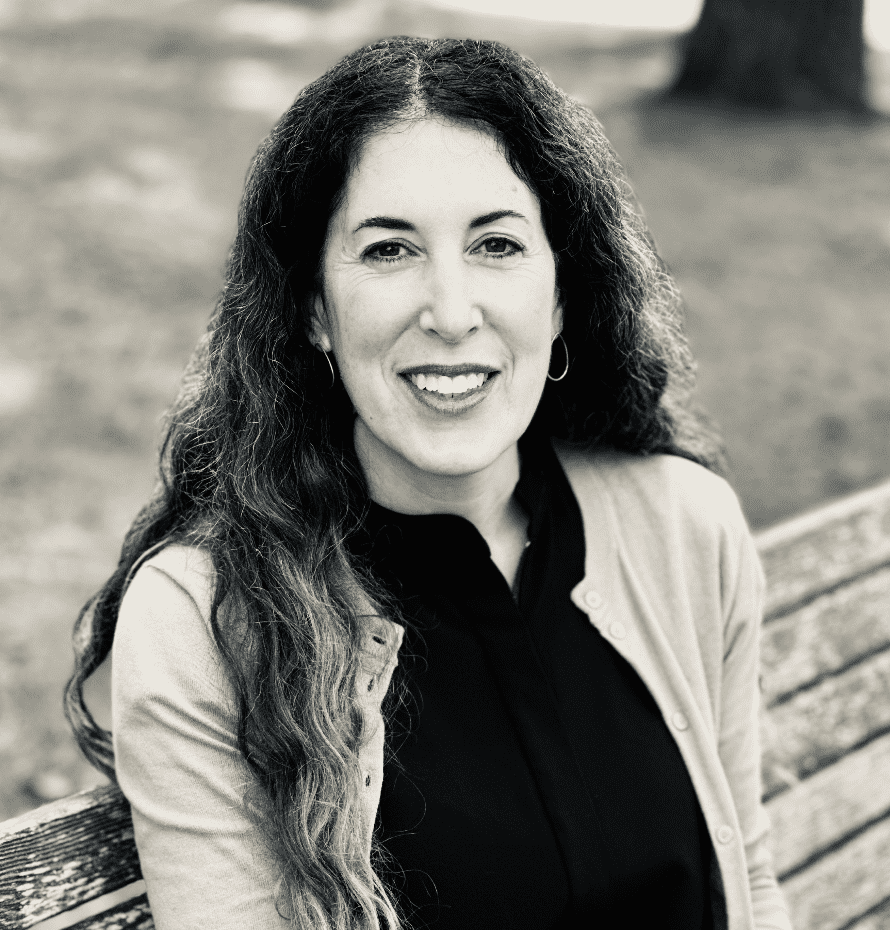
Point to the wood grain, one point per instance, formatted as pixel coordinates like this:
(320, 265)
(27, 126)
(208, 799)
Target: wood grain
(827, 634)
(843, 885)
(64, 854)
(816, 551)
(822, 810)
(818, 726)
(131, 915)
(879, 920)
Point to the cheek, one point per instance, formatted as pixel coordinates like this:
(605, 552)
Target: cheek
(364, 332)
(365, 325)
(530, 317)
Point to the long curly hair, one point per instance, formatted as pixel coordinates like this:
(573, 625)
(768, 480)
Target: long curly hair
(257, 465)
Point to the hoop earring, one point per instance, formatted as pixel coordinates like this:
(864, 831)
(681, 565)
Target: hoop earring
(566, 369)
(328, 360)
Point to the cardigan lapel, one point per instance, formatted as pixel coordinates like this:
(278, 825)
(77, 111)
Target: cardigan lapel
(619, 609)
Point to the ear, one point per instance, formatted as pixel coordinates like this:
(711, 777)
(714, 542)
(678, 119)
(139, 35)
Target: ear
(319, 331)
(557, 315)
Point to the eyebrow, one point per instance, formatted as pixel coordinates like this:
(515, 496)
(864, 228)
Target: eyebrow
(392, 222)
(494, 217)
(385, 222)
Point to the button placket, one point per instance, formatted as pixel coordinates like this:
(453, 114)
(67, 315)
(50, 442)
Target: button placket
(680, 720)
(597, 608)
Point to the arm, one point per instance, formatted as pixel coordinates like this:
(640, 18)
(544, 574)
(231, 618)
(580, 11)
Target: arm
(743, 586)
(178, 764)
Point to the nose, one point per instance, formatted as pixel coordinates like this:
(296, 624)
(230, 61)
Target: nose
(449, 310)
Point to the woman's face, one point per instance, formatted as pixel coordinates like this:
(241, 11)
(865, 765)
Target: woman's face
(439, 299)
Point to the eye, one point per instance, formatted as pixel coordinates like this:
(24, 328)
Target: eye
(387, 252)
(499, 247)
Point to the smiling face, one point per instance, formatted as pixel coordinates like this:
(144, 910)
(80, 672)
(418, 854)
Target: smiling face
(439, 301)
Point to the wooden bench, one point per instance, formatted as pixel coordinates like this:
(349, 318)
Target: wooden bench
(826, 731)
(826, 734)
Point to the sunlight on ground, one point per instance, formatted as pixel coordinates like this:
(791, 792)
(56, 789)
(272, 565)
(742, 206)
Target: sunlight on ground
(639, 14)
(255, 86)
(877, 24)
(674, 15)
(281, 21)
(18, 385)
(288, 24)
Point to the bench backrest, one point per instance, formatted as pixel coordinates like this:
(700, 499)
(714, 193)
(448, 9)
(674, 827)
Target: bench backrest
(826, 686)
(67, 854)
(826, 733)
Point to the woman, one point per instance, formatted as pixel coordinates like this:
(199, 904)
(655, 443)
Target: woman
(445, 398)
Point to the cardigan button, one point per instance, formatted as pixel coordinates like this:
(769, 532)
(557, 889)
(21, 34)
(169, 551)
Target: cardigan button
(681, 723)
(725, 834)
(616, 630)
(593, 599)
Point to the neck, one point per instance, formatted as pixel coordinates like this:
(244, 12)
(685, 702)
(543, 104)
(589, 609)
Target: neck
(485, 498)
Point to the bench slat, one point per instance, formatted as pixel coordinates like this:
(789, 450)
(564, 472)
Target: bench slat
(835, 802)
(822, 724)
(131, 915)
(879, 920)
(843, 885)
(816, 551)
(65, 854)
(826, 635)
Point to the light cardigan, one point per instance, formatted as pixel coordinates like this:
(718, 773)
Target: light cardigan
(672, 581)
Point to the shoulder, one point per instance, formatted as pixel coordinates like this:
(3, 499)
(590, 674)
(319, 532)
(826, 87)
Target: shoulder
(676, 526)
(163, 629)
(188, 568)
(169, 586)
(672, 520)
(664, 492)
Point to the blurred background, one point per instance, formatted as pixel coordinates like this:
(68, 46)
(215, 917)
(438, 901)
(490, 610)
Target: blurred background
(757, 137)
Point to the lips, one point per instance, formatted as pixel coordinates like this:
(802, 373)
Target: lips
(443, 384)
(449, 388)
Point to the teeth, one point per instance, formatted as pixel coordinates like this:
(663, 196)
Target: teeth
(442, 384)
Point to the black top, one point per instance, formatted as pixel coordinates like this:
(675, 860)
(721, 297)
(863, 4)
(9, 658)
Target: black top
(536, 784)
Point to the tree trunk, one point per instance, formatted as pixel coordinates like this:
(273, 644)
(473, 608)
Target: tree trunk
(777, 55)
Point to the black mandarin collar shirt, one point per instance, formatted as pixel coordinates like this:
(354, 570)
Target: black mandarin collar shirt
(535, 784)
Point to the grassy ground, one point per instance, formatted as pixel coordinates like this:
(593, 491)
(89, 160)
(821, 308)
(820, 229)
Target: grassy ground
(124, 136)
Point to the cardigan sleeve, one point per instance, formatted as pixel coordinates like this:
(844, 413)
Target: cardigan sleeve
(203, 858)
(178, 764)
(739, 726)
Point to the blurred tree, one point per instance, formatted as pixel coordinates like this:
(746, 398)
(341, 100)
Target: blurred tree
(777, 54)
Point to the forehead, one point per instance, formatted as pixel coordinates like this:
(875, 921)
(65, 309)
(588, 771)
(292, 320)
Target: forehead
(434, 165)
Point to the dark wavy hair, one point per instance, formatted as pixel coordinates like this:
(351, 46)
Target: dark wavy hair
(257, 466)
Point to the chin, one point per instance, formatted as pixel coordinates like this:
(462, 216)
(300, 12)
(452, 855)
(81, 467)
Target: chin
(456, 459)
